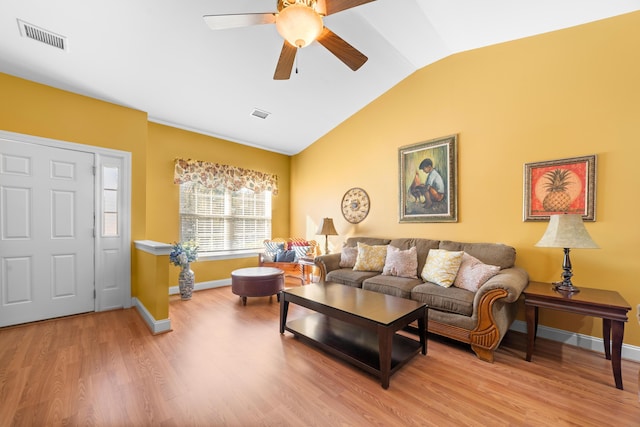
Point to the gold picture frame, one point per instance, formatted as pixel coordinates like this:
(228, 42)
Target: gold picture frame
(560, 186)
(428, 185)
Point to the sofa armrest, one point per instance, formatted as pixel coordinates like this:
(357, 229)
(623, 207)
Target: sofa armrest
(327, 263)
(494, 310)
(513, 280)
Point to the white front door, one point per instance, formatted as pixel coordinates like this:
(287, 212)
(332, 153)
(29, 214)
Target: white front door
(47, 232)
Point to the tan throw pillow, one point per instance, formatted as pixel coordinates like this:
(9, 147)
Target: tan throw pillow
(401, 263)
(473, 273)
(370, 258)
(348, 256)
(442, 266)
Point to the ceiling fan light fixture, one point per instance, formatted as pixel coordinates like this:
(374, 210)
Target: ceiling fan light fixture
(298, 24)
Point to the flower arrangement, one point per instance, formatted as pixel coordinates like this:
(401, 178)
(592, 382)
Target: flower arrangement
(183, 253)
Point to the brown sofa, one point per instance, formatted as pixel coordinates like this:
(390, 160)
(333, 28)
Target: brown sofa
(480, 319)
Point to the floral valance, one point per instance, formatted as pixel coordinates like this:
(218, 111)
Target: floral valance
(214, 175)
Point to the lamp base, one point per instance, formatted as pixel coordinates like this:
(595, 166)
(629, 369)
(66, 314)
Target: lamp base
(564, 287)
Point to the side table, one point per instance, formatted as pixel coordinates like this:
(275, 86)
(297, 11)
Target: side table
(607, 305)
(307, 277)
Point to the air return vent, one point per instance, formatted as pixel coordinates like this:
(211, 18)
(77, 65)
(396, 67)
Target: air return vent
(42, 35)
(261, 114)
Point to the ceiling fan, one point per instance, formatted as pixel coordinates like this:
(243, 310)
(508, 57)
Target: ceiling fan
(300, 23)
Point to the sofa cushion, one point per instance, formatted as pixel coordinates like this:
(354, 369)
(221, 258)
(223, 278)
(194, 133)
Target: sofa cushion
(271, 248)
(268, 257)
(391, 285)
(473, 273)
(442, 266)
(371, 241)
(423, 246)
(349, 276)
(452, 300)
(301, 251)
(370, 258)
(296, 241)
(285, 256)
(348, 256)
(402, 263)
(490, 253)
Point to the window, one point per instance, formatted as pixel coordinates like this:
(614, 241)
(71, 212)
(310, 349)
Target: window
(222, 219)
(109, 201)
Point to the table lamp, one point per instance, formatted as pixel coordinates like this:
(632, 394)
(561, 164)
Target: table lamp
(566, 231)
(327, 229)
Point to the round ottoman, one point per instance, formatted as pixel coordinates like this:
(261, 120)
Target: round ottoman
(257, 282)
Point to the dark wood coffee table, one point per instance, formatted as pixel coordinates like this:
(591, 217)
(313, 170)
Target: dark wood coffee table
(357, 325)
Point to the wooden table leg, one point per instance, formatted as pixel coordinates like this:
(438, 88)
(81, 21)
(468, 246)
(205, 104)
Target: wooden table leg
(616, 352)
(531, 313)
(284, 309)
(606, 335)
(385, 342)
(422, 328)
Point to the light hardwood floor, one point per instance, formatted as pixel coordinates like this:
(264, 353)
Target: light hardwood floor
(227, 364)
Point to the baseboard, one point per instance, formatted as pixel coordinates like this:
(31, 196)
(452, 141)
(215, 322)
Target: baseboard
(629, 352)
(173, 290)
(156, 326)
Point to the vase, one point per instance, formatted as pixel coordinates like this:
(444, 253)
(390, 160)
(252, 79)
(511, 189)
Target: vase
(186, 280)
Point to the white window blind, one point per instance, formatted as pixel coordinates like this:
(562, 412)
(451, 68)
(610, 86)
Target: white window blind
(224, 220)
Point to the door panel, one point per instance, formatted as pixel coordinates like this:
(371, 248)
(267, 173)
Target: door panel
(46, 222)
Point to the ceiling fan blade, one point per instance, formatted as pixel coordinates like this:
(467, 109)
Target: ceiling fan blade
(285, 62)
(335, 6)
(222, 22)
(346, 53)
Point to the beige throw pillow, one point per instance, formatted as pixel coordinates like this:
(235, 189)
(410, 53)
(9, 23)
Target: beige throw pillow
(370, 258)
(473, 273)
(348, 256)
(442, 266)
(401, 263)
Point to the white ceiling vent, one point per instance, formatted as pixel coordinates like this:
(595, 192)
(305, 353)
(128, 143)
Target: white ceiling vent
(261, 114)
(42, 35)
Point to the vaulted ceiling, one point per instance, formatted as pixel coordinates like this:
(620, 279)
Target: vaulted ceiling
(159, 56)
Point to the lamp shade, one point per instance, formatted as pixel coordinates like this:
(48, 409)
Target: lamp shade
(298, 24)
(566, 231)
(327, 228)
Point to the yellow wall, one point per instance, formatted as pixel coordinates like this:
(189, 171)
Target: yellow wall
(163, 225)
(564, 94)
(152, 271)
(35, 109)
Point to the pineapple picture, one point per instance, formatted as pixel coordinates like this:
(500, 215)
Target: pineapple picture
(557, 198)
(560, 186)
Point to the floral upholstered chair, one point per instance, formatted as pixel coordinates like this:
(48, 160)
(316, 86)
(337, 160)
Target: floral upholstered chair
(294, 256)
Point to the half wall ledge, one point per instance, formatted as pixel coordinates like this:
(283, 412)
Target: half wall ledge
(152, 280)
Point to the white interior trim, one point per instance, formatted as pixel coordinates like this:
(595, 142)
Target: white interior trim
(174, 290)
(156, 326)
(154, 248)
(629, 352)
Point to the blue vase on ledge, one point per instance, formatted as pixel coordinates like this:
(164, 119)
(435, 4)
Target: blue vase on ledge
(186, 281)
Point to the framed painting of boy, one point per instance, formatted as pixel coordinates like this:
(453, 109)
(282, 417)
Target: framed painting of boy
(428, 181)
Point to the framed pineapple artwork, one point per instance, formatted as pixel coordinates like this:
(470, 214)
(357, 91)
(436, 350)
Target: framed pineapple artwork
(560, 186)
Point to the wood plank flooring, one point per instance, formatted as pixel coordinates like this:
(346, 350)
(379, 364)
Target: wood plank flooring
(225, 364)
